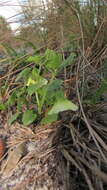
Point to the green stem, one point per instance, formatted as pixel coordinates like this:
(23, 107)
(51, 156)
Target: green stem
(45, 93)
(43, 99)
(38, 103)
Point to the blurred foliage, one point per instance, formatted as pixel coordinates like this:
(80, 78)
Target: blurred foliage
(52, 23)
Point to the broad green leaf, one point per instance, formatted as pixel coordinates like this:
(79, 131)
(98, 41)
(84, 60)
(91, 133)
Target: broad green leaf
(53, 60)
(59, 94)
(36, 79)
(23, 74)
(49, 119)
(54, 92)
(32, 88)
(53, 96)
(28, 117)
(13, 118)
(34, 85)
(55, 85)
(62, 105)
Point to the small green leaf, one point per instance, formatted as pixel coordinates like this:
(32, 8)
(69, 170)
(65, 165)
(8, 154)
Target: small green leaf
(62, 105)
(13, 118)
(28, 117)
(3, 106)
(35, 59)
(12, 99)
(49, 119)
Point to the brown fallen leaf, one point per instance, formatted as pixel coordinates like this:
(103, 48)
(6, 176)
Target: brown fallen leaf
(14, 157)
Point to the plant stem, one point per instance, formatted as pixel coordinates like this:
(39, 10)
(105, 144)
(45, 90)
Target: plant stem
(38, 103)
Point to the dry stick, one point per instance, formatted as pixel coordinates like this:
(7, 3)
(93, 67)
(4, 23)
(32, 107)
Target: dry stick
(16, 5)
(10, 73)
(82, 36)
(15, 71)
(88, 180)
(7, 90)
(97, 54)
(94, 170)
(92, 132)
(10, 91)
(79, 20)
(15, 62)
(71, 159)
(62, 45)
(97, 33)
(29, 180)
(90, 62)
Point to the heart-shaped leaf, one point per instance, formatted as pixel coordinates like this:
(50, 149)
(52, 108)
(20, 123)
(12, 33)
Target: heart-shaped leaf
(54, 60)
(62, 105)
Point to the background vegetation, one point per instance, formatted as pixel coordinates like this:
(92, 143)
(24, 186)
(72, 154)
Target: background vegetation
(55, 62)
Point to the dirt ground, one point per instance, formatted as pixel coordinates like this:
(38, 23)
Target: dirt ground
(64, 156)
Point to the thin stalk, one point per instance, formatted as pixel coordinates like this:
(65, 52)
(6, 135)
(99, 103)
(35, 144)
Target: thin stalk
(38, 102)
(45, 93)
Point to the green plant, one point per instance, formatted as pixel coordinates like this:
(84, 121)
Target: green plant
(41, 94)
